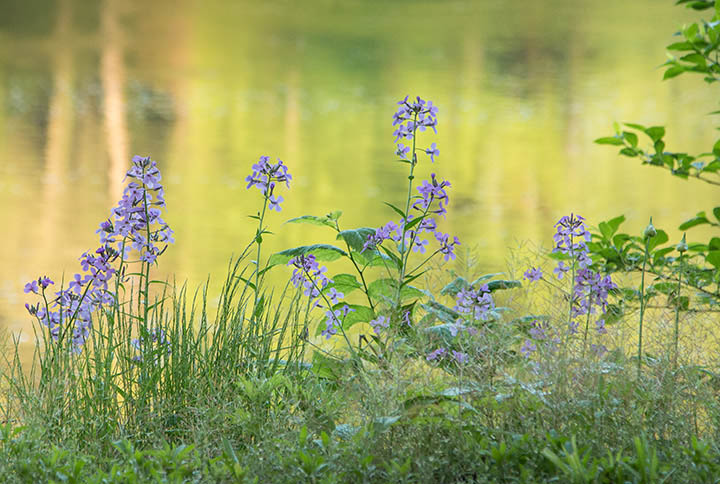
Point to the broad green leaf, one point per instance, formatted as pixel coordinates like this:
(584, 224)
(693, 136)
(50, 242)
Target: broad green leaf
(631, 138)
(322, 252)
(699, 219)
(441, 312)
(655, 132)
(312, 220)
(679, 46)
(716, 212)
(485, 277)
(639, 127)
(610, 140)
(382, 289)
(359, 314)
(673, 71)
(714, 243)
(455, 287)
(356, 238)
(496, 285)
(345, 283)
(713, 257)
(659, 239)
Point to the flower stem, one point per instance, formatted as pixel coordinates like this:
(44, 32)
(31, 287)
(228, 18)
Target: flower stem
(642, 306)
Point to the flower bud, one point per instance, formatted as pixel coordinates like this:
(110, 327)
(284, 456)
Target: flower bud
(682, 246)
(650, 231)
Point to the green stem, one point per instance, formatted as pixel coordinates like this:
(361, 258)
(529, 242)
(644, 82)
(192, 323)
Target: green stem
(258, 241)
(642, 306)
(677, 318)
(411, 177)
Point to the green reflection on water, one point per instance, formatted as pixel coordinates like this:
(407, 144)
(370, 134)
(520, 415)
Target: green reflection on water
(207, 87)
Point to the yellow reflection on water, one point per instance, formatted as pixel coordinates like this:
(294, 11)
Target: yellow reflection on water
(207, 87)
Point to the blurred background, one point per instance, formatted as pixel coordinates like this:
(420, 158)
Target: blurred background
(206, 87)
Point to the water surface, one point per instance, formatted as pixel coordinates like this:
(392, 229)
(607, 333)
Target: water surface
(206, 87)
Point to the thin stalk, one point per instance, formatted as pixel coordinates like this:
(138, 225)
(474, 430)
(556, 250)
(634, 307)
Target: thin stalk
(411, 177)
(258, 242)
(642, 306)
(677, 318)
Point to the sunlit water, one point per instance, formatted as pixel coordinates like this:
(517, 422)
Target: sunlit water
(206, 87)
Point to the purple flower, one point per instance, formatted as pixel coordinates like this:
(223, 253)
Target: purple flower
(402, 150)
(447, 247)
(435, 354)
(413, 116)
(379, 323)
(275, 202)
(32, 286)
(460, 357)
(533, 274)
(528, 348)
(433, 152)
(478, 303)
(334, 320)
(561, 269)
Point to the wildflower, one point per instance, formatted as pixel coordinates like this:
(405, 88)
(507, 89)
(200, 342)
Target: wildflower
(435, 354)
(32, 286)
(477, 303)
(533, 274)
(402, 150)
(460, 357)
(433, 152)
(334, 320)
(447, 247)
(379, 323)
(528, 348)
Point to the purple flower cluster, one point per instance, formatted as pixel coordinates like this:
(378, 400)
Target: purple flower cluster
(380, 323)
(311, 277)
(591, 290)
(442, 353)
(431, 192)
(533, 274)
(478, 303)
(411, 117)
(265, 175)
(571, 239)
(135, 224)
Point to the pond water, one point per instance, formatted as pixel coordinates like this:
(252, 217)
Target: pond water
(206, 87)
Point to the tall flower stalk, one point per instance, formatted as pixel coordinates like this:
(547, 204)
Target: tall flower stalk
(265, 177)
(648, 234)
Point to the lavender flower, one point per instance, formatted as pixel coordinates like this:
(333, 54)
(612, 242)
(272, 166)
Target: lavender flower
(412, 116)
(334, 320)
(478, 303)
(460, 357)
(447, 247)
(135, 224)
(433, 152)
(533, 274)
(528, 348)
(265, 175)
(435, 354)
(379, 323)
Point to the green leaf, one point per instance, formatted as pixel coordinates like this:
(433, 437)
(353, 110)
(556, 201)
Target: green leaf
(359, 314)
(631, 138)
(699, 219)
(382, 289)
(322, 252)
(659, 239)
(395, 209)
(345, 283)
(356, 238)
(500, 284)
(716, 148)
(673, 71)
(639, 127)
(713, 257)
(680, 46)
(610, 140)
(455, 287)
(312, 220)
(716, 212)
(655, 132)
(441, 312)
